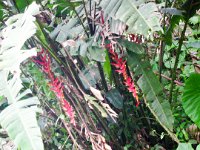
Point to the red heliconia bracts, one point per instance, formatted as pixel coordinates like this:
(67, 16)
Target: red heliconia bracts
(56, 85)
(120, 65)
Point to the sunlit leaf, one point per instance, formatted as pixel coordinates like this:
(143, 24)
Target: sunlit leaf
(184, 146)
(191, 98)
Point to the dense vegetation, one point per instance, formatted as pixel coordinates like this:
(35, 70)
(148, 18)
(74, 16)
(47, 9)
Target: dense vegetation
(100, 74)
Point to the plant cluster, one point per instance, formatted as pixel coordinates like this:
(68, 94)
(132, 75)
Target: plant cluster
(99, 74)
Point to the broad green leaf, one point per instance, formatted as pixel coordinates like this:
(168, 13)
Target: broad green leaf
(141, 18)
(83, 46)
(67, 31)
(184, 146)
(12, 63)
(107, 67)
(96, 53)
(198, 147)
(115, 98)
(1, 98)
(131, 46)
(89, 76)
(191, 98)
(41, 36)
(80, 48)
(19, 118)
(10, 88)
(117, 26)
(195, 19)
(152, 90)
(21, 112)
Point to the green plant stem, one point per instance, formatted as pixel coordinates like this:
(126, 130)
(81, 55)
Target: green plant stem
(87, 82)
(80, 72)
(85, 30)
(173, 3)
(88, 21)
(162, 47)
(102, 122)
(104, 83)
(178, 51)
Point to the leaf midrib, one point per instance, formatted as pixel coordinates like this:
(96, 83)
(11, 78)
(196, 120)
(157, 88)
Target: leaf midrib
(26, 129)
(134, 7)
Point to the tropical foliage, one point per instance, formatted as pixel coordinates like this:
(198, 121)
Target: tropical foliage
(99, 74)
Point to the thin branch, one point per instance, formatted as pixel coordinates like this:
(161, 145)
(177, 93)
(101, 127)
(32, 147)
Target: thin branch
(168, 78)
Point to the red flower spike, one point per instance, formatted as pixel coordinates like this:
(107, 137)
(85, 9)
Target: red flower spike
(119, 71)
(68, 110)
(56, 85)
(116, 65)
(120, 66)
(123, 67)
(137, 103)
(127, 82)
